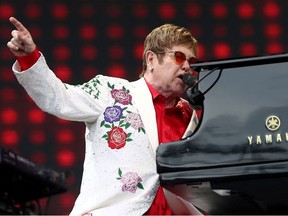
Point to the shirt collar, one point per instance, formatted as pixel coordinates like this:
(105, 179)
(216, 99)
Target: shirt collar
(152, 90)
(155, 94)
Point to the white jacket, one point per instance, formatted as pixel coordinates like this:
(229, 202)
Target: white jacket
(119, 175)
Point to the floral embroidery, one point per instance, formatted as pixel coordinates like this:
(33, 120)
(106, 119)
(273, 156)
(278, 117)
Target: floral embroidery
(91, 87)
(130, 181)
(135, 120)
(121, 96)
(116, 138)
(113, 115)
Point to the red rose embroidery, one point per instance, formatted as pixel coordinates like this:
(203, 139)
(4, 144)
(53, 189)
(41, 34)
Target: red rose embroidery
(117, 138)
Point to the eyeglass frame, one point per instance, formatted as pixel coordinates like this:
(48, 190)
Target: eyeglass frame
(183, 59)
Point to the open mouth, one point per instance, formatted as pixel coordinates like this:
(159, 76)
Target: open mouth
(180, 76)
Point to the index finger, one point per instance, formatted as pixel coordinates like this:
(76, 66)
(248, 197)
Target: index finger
(17, 24)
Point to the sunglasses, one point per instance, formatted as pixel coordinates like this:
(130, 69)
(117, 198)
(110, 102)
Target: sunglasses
(180, 57)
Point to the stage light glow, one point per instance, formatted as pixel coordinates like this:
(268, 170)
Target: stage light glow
(138, 51)
(61, 32)
(33, 11)
(63, 72)
(117, 70)
(9, 138)
(64, 137)
(8, 116)
(274, 47)
(115, 31)
(193, 10)
(220, 10)
(36, 116)
(221, 50)
(248, 49)
(62, 52)
(6, 11)
(273, 30)
(59, 11)
(65, 158)
(89, 52)
(245, 10)
(88, 32)
(140, 11)
(271, 10)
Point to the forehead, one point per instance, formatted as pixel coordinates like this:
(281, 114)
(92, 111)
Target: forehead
(188, 51)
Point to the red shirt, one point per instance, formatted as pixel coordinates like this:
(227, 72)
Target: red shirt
(171, 124)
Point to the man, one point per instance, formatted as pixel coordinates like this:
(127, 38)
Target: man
(125, 121)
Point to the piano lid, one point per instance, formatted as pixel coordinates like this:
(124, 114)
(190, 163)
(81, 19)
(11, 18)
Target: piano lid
(244, 123)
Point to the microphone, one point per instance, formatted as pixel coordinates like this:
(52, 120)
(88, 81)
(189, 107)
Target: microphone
(188, 79)
(194, 96)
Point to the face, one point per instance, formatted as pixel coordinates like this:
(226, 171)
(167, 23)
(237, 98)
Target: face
(165, 76)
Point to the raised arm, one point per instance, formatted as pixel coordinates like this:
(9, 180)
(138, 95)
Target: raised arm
(21, 42)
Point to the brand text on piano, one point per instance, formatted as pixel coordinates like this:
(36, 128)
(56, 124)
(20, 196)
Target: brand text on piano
(272, 123)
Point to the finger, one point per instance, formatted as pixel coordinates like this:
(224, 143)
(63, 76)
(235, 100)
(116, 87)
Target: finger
(15, 35)
(17, 44)
(17, 24)
(20, 37)
(11, 46)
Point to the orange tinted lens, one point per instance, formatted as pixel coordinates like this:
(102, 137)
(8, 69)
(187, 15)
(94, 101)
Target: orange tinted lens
(193, 60)
(179, 57)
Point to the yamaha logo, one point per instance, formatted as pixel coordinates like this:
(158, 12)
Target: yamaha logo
(272, 123)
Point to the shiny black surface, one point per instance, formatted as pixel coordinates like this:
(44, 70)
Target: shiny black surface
(248, 91)
(23, 181)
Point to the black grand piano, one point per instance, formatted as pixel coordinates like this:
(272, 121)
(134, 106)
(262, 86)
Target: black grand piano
(236, 161)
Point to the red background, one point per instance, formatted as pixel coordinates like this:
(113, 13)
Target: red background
(83, 38)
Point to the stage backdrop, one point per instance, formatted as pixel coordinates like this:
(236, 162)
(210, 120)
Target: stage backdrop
(83, 38)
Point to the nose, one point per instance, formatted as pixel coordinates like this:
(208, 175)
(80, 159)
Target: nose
(186, 66)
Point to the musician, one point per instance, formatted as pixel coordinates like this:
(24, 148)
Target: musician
(125, 121)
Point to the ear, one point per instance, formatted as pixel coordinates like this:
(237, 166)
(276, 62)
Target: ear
(149, 58)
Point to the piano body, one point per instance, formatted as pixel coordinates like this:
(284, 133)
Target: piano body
(23, 182)
(236, 161)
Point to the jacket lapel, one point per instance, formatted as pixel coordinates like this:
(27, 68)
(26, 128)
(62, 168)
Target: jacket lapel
(143, 100)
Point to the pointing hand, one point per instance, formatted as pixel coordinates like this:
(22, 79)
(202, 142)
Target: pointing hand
(21, 43)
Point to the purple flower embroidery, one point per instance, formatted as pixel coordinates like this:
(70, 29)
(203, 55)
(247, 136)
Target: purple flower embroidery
(113, 114)
(131, 181)
(135, 120)
(121, 96)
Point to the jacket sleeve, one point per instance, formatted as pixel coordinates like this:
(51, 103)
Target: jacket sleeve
(71, 102)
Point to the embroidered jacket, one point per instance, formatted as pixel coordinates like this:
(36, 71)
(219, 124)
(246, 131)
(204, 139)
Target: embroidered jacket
(119, 173)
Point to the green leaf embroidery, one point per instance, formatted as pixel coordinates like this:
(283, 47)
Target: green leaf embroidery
(143, 130)
(102, 123)
(127, 125)
(119, 172)
(110, 86)
(139, 185)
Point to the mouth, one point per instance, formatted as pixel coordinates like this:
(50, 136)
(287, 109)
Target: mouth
(180, 76)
